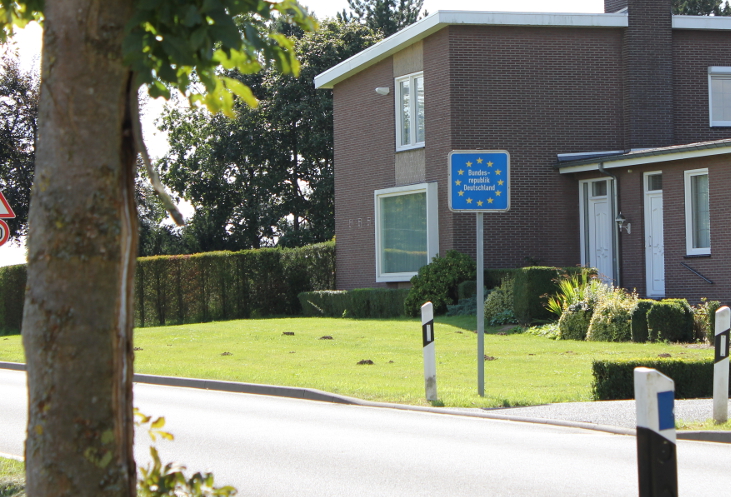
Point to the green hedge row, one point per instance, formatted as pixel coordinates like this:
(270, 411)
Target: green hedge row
(614, 379)
(533, 286)
(12, 295)
(229, 285)
(205, 287)
(359, 303)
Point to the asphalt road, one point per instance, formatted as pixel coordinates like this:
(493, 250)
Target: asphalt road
(270, 446)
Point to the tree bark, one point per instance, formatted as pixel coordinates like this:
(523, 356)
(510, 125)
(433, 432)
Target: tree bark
(77, 322)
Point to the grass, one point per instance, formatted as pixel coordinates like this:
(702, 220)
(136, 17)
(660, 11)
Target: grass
(526, 369)
(12, 478)
(706, 425)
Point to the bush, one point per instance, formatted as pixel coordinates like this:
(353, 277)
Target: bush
(359, 303)
(467, 290)
(612, 319)
(574, 321)
(12, 297)
(614, 379)
(438, 281)
(670, 320)
(533, 286)
(639, 320)
(500, 301)
(704, 320)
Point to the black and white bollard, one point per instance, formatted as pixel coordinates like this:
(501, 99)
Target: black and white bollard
(656, 454)
(430, 362)
(720, 366)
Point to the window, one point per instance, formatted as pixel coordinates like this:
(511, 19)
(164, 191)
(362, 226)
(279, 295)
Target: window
(697, 213)
(719, 95)
(410, 111)
(406, 230)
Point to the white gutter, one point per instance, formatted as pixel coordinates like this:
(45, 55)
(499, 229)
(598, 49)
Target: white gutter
(647, 159)
(443, 18)
(712, 23)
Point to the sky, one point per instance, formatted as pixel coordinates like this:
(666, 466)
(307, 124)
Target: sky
(28, 43)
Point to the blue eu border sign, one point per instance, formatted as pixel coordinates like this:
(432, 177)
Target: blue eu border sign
(479, 181)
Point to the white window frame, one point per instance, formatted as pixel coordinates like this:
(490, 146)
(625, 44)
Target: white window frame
(432, 226)
(689, 249)
(716, 72)
(399, 115)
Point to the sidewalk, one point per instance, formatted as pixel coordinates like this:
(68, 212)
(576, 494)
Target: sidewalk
(616, 417)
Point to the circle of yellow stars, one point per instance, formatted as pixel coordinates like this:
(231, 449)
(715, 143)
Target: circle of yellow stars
(490, 199)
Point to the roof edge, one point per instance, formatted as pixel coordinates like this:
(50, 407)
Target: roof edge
(712, 23)
(434, 22)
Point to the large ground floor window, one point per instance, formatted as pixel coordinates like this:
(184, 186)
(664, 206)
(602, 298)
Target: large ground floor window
(407, 230)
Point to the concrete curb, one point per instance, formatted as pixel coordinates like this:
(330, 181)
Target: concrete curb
(321, 396)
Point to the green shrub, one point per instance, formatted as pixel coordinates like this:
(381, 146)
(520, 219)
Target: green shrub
(465, 307)
(359, 303)
(494, 277)
(704, 320)
(639, 320)
(670, 320)
(532, 287)
(466, 290)
(614, 379)
(500, 300)
(574, 321)
(505, 317)
(612, 319)
(12, 297)
(438, 281)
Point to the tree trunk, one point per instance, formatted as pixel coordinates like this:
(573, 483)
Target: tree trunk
(77, 322)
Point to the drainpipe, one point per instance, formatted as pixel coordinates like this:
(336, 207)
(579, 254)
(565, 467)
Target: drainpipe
(615, 210)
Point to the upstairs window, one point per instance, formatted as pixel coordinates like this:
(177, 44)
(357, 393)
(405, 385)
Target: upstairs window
(697, 213)
(719, 95)
(410, 111)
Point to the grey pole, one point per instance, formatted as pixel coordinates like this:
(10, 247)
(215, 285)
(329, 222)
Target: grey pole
(480, 308)
(430, 362)
(657, 464)
(721, 365)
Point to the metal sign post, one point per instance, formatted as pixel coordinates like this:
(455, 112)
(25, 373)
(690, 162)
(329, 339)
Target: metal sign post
(479, 182)
(720, 366)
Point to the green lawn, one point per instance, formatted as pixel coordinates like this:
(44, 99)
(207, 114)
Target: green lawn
(527, 370)
(12, 478)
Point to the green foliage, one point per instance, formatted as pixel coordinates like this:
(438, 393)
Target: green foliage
(229, 285)
(15, 13)
(12, 478)
(359, 303)
(265, 176)
(701, 7)
(387, 16)
(614, 379)
(704, 320)
(437, 282)
(156, 480)
(533, 286)
(611, 320)
(574, 321)
(18, 129)
(12, 295)
(670, 320)
(571, 290)
(639, 320)
(467, 290)
(548, 330)
(500, 303)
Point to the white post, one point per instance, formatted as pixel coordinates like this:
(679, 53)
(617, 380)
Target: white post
(721, 365)
(430, 362)
(656, 438)
(480, 307)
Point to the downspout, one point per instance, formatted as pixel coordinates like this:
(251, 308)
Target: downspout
(615, 231)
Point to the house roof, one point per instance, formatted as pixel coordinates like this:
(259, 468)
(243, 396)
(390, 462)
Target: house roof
(611, 160)
(443, 18)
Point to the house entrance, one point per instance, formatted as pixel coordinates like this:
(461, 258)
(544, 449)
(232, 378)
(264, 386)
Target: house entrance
(597, 221)
(654, 239)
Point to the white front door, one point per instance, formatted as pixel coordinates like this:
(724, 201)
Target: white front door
(654, 239)
(597, 240)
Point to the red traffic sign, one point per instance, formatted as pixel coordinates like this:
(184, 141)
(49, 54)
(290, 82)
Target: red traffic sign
(4, 232)
(6, 212)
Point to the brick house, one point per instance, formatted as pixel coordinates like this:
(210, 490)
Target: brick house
(625, 114)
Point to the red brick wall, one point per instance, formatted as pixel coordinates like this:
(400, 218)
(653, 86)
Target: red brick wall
(693, 53)
(534, 92)
(364, 161)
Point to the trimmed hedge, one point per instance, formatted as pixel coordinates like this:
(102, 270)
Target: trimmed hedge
(639, 320)
(671, 320)
(229, 285)
(614, 379)
(12, 297)
(358, 303)
(437, 282)
(533, 285)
